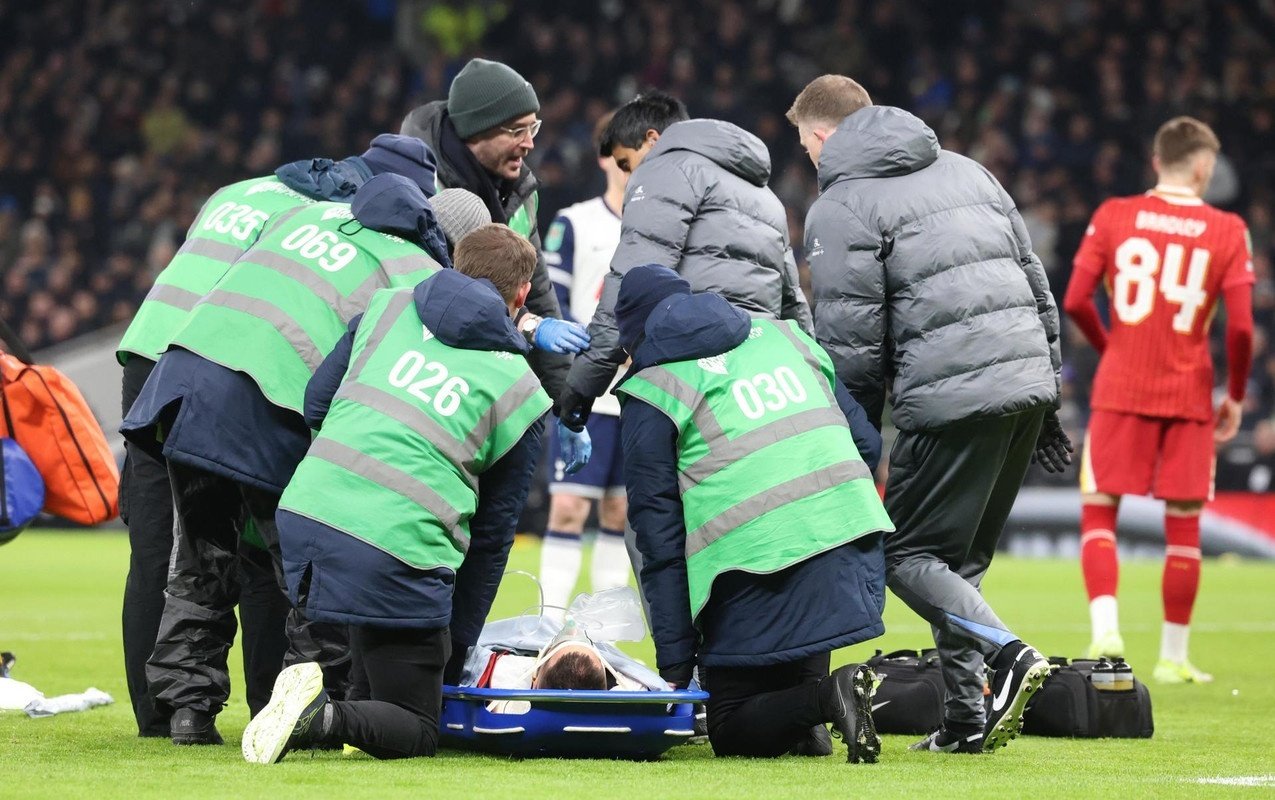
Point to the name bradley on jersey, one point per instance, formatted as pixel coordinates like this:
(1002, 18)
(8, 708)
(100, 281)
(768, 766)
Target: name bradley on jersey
(1166, 223)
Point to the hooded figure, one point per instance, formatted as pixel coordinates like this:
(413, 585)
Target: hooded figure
(748, 469)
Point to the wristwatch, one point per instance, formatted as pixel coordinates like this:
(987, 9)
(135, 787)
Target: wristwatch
(527, 323)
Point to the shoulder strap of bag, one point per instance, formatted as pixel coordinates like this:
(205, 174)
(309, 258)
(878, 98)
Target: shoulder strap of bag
(16, 346)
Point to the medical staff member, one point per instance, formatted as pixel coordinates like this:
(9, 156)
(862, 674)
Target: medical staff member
(400, 519)
(755, 513)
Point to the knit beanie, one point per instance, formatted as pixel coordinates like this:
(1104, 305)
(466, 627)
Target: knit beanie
(487, 93)
(458, 212)
(642, 289)
(403, 155)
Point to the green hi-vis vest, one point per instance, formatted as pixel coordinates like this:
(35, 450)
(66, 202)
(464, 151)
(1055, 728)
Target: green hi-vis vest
(228, 224)
(768, 471)
(284, 304)
(413, 425)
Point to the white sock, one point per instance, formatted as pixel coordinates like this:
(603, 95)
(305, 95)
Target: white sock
(1104, 616)
(1173, 642)
(560, 557)
(610, 567)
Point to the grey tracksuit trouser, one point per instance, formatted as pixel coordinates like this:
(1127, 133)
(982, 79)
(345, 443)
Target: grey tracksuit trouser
(949, 493)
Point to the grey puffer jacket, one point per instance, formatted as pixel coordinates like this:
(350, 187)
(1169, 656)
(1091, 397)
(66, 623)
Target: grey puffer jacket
(924, 275)
(698, 204)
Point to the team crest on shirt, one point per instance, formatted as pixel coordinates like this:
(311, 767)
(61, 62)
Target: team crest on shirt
(714, 364)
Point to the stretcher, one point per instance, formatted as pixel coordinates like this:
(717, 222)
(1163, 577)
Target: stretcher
(575, 723)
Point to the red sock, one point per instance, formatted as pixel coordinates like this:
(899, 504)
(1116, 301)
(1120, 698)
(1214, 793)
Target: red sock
(1181, 568)
(1098, 557)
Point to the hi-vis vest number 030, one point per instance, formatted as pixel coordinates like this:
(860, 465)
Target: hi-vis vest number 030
(413, 425)
(228, 224)
(283, 305)
(768, 470)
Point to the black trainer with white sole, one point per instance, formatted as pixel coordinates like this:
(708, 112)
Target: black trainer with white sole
(1012, 686)
(945, 741)
(293, 717)
(846, 697)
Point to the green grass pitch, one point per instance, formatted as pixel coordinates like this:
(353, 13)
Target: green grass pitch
(60, 612)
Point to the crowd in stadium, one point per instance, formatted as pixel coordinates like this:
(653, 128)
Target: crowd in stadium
(117, 123)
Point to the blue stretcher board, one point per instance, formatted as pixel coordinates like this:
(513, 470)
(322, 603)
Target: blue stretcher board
(569, 723)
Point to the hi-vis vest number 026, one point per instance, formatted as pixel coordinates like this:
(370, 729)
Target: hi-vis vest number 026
(228, 224)
(768, 470)
(413, 425)
(283, 305)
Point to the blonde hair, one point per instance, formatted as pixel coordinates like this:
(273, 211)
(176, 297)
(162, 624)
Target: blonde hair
(1181, 138)
(495, 252)
(827, 100)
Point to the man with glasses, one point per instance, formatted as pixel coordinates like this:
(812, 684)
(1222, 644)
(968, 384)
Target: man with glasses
(481, 135)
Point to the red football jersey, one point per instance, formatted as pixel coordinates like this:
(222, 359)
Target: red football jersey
(1165, 257)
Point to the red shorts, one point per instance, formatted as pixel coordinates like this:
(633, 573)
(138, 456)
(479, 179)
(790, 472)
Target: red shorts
(1170, 459)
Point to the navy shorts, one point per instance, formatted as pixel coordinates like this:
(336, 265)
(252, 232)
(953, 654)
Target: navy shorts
(603, 476)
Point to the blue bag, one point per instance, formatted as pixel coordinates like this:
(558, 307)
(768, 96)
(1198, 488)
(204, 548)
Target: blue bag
(21, 487)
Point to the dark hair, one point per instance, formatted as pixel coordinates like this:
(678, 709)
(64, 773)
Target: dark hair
(572, 669)
(495, 252)
(651, 111)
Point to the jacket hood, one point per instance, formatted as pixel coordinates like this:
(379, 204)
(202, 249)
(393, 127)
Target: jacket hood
(325, 179)
(877, 142)
(391, 203)
(728, 146)
(687, 326)
(467, 313)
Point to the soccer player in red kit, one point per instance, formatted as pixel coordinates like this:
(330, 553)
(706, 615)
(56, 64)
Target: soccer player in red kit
(1166, 258)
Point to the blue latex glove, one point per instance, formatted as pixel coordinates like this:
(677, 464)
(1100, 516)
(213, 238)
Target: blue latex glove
(558, 336)
(573, 448)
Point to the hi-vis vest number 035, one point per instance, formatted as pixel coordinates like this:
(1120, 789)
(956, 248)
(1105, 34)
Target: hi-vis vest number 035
(228, 224)
(283, 305)
(413, 425)
(768, 470)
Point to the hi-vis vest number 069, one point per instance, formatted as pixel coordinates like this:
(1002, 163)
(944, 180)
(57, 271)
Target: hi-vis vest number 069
(413, 425)
(284, 304)
(768, 470)
(228, 224)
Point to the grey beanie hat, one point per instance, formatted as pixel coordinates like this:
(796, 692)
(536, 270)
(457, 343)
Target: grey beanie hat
(487, 93)
(459, 211)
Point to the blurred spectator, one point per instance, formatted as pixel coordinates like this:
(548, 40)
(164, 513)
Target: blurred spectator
(117, 119)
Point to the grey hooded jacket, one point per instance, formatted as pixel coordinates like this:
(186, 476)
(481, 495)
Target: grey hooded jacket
(698, 204)
(924, 275)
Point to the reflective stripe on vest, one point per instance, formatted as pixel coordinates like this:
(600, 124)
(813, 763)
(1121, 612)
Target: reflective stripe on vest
(764, 483)
(172, 296)
(396, 464)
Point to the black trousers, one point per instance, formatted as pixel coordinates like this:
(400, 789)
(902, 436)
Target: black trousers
(949, 494)
(763, 711)
(209, 573)
(404, 670)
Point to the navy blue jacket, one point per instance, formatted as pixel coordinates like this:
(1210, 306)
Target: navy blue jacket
(201, 414)
(828, 601)
(337, 578)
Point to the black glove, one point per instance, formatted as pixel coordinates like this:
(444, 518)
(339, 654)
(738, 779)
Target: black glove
(573, 409)
(679, 675)
(1053, 448)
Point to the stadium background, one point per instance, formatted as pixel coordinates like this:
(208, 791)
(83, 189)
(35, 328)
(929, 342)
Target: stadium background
(118, 119)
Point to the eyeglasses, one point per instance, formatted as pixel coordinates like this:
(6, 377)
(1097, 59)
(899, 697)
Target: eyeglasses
(524, 130)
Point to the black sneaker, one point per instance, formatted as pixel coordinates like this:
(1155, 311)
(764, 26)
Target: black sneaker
(816, 742)
(293, 718)
(944, 741)
(189, 726)
(846, 699)
(1022, 673)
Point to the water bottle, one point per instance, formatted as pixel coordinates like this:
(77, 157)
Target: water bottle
(1121, 675)
(1103, 676)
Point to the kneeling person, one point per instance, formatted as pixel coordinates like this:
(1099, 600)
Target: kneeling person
(400, 519)
(756, 516)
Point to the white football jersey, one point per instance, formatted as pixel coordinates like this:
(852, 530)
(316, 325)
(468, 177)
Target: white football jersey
(578, 250)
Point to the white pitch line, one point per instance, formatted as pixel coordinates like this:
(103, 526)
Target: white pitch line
(1245, 780)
